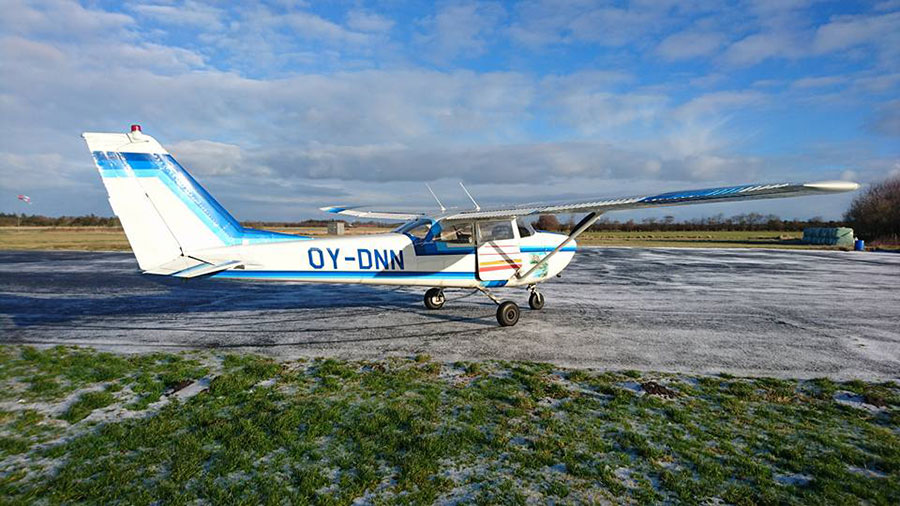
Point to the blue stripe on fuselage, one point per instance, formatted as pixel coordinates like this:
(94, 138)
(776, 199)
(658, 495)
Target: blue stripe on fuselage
(324, 275)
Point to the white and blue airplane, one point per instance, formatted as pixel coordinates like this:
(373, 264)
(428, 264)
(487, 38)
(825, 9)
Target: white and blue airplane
(176, 228)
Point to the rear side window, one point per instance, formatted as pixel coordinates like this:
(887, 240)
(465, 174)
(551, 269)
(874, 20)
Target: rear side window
(525, 229)
(495, 231)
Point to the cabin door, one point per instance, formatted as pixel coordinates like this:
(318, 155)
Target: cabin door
(497, 256)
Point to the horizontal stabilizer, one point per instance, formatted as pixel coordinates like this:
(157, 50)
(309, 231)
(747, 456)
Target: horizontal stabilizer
(206, 269)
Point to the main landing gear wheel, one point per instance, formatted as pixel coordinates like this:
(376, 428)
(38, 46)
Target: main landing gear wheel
(536, 301)
(434, 298)
(507, 313)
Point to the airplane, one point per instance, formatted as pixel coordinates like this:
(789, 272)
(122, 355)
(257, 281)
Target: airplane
(176, 228)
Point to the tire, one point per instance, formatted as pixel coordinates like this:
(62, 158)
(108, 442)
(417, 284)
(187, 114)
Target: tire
(434, 298)
(507, 314)
(536, 301)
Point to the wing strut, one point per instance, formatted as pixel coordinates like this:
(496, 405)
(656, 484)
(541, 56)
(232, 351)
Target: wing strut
(443, 209)
(582, 225)
(477, 207)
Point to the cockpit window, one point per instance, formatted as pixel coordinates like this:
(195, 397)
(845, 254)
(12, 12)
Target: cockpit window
(418, 229)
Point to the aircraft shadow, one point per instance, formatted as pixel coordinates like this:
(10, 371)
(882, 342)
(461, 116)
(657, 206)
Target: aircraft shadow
(214, 303)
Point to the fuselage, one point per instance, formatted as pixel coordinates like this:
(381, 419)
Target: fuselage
(399, 258)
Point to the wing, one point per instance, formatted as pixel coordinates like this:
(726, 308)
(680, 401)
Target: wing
(724, 194)
(377, 215)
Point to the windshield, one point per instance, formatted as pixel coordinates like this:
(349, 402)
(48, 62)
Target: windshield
(418, 229)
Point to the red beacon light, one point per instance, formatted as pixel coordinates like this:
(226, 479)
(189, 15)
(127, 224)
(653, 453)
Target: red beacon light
(136, 134)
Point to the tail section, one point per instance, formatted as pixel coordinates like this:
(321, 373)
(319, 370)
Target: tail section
(165, 212)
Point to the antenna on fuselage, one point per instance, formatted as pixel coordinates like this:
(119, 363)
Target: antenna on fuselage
(477, 207)
(443, 209)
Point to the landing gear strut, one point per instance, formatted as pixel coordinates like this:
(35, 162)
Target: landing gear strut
(434, 298)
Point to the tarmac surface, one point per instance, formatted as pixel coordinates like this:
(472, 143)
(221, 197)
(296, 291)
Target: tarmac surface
(797, 314)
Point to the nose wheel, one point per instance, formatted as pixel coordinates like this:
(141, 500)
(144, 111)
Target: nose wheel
(536, 300)
(434, 298)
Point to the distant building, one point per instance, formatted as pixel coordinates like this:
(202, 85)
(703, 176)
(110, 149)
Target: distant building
(336, 228)
(841, 236)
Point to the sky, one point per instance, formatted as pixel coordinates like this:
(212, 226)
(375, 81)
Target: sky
(281, 107)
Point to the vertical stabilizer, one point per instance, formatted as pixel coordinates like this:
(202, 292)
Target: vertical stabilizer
(164, 211)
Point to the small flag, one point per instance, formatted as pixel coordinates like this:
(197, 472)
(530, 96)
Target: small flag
(25, 198)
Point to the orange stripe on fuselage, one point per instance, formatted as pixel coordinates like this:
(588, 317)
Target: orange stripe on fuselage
(499, 267)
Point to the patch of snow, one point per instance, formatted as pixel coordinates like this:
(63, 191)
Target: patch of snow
(854, 401)
(193, 389)
(558, 468)
(793, 479)
(868, 473)
(265, 383)
(633, 386)
(624, 475)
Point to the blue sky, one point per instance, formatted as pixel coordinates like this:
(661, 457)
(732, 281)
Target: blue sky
(282, 107)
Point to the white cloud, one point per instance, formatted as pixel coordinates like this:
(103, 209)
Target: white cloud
(368, 22)
(186, 13)
(209, 158)
(758, 47)
(714, 104)
(460, 30)
(818, 82)
(61, 20)
(686, 45)
(848, 31)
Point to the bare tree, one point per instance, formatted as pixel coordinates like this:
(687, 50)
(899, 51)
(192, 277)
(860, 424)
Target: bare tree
(547, 222)
(875, 214)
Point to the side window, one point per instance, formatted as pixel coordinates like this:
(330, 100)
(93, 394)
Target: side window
(457, 234)
(495, 231)
(525, 229)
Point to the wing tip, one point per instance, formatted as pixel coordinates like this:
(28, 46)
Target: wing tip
(833, 186)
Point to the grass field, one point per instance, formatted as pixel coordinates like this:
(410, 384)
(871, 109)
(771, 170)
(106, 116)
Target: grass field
(102, 238)
(113, 239)
(77, 425)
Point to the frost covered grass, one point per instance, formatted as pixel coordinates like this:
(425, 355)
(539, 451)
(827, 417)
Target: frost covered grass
(77, 425)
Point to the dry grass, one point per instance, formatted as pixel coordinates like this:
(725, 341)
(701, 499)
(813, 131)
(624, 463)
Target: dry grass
(63, 238)
(108, 238)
